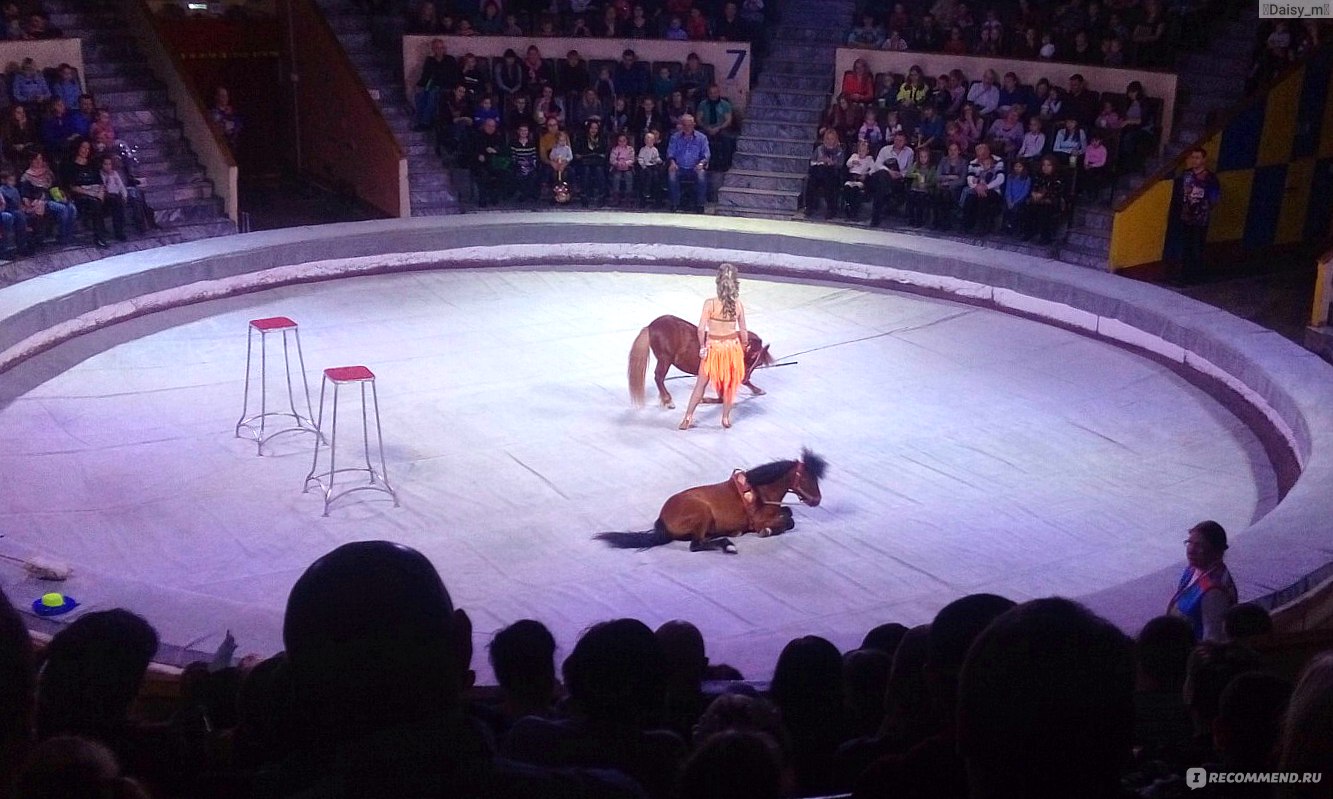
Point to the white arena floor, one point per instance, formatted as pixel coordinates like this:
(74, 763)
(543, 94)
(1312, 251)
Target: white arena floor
(969, 451)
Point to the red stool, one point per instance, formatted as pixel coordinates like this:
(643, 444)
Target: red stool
(256, 426)
(379, 481)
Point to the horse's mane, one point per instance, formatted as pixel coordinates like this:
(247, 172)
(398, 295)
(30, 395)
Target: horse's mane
(771, 472)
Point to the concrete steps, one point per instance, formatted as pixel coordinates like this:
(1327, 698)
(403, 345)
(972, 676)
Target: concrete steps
(431, 190)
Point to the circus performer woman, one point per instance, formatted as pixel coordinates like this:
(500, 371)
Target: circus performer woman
(722, 341)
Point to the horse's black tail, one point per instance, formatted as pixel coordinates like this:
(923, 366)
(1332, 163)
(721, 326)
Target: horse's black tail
(640, 540)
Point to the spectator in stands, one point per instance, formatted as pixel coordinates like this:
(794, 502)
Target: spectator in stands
(1248, 620)
(1034, 141)
(83, 179)
(688, 153)
(983, 197)
(1211, 668)
(714, 117)
(438, 72)
(1006, 134)
(693, 79)
(859, 165)
(676, 108)
(519, 113)
(839, 117)
(925, 36)
(651, 168)
(1162, 725)
(631, 77)
(610, 25)
(473, 76)
(588, 107)
(870, 130)
(590, 163)
(730, 27)
(1248, 727)
(29, 87)
(1046, 102)
(58, 133)
(985, 95)
(932, 769)
(617, 120)
(696, 25)
(647, 117)
(525, 166)
(512, 28)
(550, 135)
(572, 76)
(640, 27)
(752, 11)
(1045, 702)
(12, 20)
(1136, 128)
(67, 87)
(548, 106)
(1079, 102)
(1149, 35)
(955, 44)
(886, 183)
(1069, 140)
(807, 688)
(39, 27)
(895, 42)
(858, 85)
(1027, 46)
(1046, 200)
(1014, 96)
(20, 135)
(484, 111)
(116, 194)
(824, 179)
(733, 764)
(616, 680)
(18, 676)
(225, 117)
(91, 676)
(508, 77)
(379, 658)
(1017, 189)
(40, 199)
(971, 125)
(1206, 591)
(456, 111)
(490, 161)
(536, 73)
(425, 22)
(686, 663)
(1108, 120)
(15, 222)
(867, 35)
(921, 179)
(71, 766)
(562, 155)
(83, 116)
(951, 178)
(522, 656)
(912, 94)
(1095, 174)
(1306, 746)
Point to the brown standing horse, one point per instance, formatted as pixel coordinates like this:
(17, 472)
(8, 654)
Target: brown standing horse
(675, 342)
(720, 510)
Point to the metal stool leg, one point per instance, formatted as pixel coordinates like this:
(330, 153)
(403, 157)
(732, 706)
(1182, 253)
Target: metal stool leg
(319, 425)
(256, 426)
(379, 437)
(245, 403)
(333, 452)
(305, 380)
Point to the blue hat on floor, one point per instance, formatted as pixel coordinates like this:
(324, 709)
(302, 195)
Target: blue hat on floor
(53, 604)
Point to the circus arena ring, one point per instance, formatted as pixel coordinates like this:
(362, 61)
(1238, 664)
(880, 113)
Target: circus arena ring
(993, 422)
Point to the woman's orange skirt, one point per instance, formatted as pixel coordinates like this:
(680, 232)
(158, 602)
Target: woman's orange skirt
(725, 365)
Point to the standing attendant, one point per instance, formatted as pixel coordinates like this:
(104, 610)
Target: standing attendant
(1206, 591)
(1199, 193)
(723, 339)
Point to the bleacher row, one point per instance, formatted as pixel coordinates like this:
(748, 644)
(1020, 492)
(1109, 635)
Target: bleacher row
(373, 697)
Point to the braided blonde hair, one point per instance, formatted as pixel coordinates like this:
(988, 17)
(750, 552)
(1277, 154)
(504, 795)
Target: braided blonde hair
(728, 288)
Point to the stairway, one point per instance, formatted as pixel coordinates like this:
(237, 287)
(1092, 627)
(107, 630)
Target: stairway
(180, 195)
(1210, 82)
(381, 70)
(782, 118)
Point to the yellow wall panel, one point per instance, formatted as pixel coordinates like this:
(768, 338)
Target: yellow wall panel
(1138, 233)
(1228, 222)
(1295, 201)
(1280, 120)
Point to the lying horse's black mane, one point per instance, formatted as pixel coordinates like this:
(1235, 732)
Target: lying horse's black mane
(772, 472)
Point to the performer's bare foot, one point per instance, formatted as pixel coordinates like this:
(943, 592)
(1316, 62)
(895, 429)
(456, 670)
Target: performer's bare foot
(686, 423)
(726, 421)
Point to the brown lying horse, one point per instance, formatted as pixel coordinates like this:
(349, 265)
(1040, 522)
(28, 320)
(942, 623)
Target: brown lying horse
(749, 502)
(675, 342)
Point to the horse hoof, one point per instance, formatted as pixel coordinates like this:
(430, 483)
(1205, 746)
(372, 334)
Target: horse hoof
(757, 391)
(671, 406)
(728, 547)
